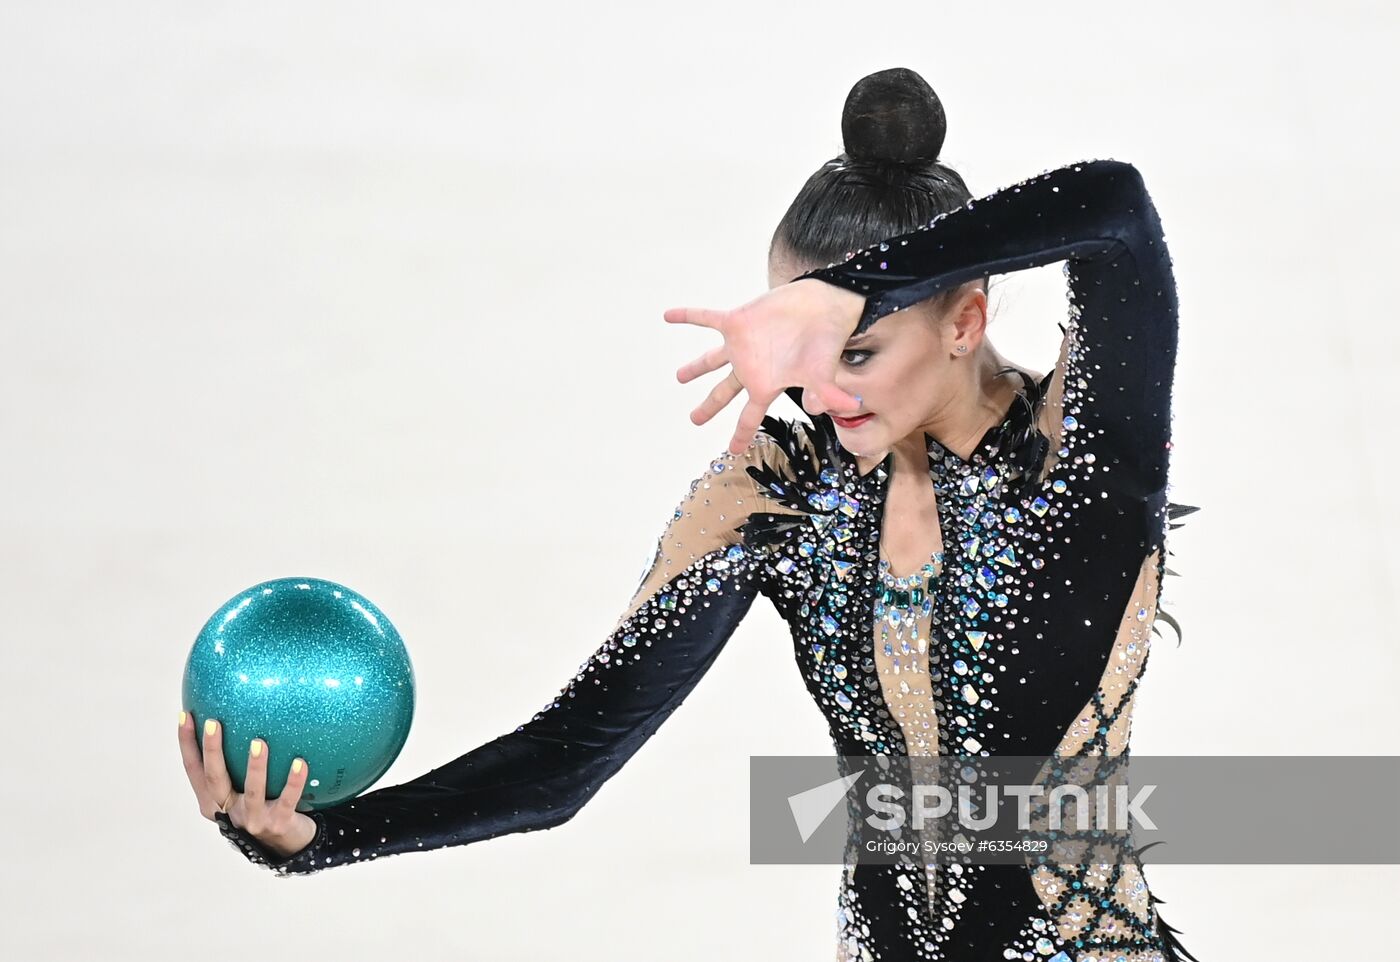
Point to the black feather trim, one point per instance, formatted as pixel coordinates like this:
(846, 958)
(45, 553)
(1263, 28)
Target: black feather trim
(1165, 615)
(1026, 448)
(1175, 510)
(1172, 949)
(807, 453)
(789, 485)
(765, 529)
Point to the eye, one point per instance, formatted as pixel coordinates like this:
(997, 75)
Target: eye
(864, 356)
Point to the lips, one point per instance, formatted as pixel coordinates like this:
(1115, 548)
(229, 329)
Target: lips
(852, 422)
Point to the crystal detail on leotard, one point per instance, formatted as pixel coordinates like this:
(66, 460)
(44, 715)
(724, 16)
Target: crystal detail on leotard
(1037, 629)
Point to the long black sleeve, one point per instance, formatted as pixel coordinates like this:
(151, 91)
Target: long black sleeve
(701, 582)
(1098, 216)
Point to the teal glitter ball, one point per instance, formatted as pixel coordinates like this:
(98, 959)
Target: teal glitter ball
(316, 671)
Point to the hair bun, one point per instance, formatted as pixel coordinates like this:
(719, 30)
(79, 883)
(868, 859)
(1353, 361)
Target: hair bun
(893, 116)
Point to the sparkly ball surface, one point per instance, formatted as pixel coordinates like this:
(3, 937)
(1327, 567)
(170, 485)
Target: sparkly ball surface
(316, 671)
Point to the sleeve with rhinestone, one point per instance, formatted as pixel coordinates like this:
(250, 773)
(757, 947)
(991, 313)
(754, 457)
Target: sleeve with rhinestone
(1121, 343)
(700, 583)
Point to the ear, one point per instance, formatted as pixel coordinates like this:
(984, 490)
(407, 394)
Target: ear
(965, 322)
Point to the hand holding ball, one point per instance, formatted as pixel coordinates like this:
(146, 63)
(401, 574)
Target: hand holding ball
(313, 669)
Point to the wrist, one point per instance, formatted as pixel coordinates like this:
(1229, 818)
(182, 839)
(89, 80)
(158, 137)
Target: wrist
(852, 306)
(845, 305)
(302, 833)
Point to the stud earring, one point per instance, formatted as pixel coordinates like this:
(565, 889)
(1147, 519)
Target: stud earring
(962, 348)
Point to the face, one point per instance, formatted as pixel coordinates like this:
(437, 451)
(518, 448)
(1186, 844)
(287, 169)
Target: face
(905, 368)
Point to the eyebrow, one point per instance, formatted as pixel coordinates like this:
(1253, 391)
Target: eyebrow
(859, 339)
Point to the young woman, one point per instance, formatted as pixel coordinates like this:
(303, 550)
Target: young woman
(968, 553)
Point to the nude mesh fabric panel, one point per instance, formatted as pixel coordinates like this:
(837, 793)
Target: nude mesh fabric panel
(1116, 690)
(708, 517)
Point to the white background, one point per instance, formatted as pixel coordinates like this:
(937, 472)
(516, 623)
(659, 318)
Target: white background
(373, 293)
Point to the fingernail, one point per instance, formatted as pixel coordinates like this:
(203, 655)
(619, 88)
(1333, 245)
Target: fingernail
(257, 747)
(296, 767)
(210, 726)
(182, 718)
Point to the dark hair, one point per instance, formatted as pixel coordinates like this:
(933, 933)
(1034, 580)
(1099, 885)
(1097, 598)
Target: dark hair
(888, 180)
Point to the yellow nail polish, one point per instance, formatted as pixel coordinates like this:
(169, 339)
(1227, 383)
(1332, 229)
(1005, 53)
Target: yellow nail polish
(183, 715)
(296, 767)
(210, 726)
(257, 747)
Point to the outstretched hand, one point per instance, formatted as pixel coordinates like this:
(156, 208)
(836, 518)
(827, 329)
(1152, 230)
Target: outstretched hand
(791, 336)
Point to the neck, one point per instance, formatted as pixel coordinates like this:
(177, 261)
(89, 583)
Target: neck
(976, 408)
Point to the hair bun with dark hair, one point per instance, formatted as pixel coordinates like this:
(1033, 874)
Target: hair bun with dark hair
(894, 117)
